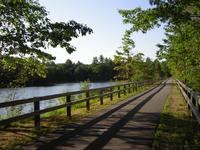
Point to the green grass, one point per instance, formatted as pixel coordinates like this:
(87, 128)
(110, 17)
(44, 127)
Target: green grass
(177, 129)
(21, 132)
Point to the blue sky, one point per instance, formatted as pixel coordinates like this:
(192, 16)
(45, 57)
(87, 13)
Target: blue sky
(103, 17)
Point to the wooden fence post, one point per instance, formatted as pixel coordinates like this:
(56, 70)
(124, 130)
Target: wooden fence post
(101, 97)
(129, 88)
(133, 87)
(149, 82)
(68, 101)
(37, 117)
(136, 87)
(188, 107)
(118, 93)
(142, 84)
(111, 95)
(188, 94)
(124, 89)
(192, 98)
(88, 101)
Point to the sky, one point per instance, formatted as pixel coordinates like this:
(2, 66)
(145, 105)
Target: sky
(103, 17)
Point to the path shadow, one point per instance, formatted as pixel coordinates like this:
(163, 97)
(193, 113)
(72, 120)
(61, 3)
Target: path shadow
(101, 139)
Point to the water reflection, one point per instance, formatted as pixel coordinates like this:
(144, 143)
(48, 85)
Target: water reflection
(11, 94)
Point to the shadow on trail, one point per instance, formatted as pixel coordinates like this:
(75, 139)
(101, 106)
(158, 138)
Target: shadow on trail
(104, 138)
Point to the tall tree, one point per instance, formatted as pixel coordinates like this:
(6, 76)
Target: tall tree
(181, 47)
(138, 67)
(25, 30)
(123, 58)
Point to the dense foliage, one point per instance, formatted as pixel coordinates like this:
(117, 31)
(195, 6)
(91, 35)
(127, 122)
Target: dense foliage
(25, 30)
(181, 48)
(101, 69)
(132, 67)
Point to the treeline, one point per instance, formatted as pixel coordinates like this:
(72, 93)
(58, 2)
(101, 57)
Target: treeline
(101, 69)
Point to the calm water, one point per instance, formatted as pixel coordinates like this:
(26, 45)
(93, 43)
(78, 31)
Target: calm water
(10, 94)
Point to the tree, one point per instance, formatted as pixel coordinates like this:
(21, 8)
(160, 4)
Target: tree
(180, 49)
(101, 59)
(149, 69)
(102, 69)
(129, 66)
(157, 69)
(25, 30)
(95, 60)
(174, 12)
(123, 59)
(138, 67)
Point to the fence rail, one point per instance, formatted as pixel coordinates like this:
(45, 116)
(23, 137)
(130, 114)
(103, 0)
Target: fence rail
(192, 98)
(102, 92)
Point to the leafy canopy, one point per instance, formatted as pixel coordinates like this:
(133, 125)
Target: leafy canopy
(182, 23)
(26, 30)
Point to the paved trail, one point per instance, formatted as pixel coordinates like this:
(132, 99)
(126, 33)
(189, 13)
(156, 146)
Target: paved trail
(128, 125)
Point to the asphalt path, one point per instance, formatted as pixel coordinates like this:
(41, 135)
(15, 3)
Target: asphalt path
(130, 124)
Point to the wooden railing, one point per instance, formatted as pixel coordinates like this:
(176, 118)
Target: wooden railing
(89, 95)
(192, 98)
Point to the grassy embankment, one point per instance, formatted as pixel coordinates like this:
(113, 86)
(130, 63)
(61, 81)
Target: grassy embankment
(23, 131)
(177, 129)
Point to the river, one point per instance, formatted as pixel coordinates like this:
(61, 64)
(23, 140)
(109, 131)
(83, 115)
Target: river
(11, 94)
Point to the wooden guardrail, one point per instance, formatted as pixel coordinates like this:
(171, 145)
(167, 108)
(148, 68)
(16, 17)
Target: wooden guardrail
(192, 98)
(101, 93)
